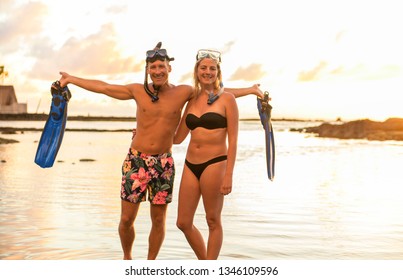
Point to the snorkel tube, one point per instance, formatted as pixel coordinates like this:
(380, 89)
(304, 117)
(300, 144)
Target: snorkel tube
(212, 98)
(153, 95)
(152, 55)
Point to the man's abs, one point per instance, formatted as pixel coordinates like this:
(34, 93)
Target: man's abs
(153, 143)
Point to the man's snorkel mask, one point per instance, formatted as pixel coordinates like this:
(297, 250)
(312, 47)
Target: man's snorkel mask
(151, 56)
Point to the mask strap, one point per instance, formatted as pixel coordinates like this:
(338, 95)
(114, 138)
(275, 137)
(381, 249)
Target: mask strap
(154, 96)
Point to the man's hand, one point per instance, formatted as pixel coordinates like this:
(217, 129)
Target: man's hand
(63, 79)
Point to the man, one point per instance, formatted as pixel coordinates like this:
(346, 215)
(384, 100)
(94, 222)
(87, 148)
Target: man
(149, 164)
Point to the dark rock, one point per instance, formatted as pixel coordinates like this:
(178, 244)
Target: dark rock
(87, 160)
(7, 141)
(391, 129)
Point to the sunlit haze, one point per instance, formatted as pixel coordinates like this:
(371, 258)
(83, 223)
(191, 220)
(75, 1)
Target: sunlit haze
(318, 59)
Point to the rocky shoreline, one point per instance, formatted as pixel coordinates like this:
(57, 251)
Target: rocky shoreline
(14, 130)
(391, 129)
(44, 117)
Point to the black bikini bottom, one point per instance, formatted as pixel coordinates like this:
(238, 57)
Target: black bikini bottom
(198, 169)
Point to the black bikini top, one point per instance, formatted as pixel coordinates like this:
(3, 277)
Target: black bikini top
(209, 120)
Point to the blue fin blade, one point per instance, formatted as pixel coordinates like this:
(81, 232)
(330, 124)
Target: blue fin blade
(265, 118)
(53, 132)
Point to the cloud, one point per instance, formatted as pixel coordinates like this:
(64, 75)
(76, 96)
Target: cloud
(96, 54)
(116, 9)
(228, 47)
(363, 72)
(252, 72)
(313, 73)
(20, 25)
(186, 77)
(340, 35)
(357, 71)
(23, 39)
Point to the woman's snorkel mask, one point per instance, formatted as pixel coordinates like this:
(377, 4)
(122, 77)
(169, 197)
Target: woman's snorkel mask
(151, 56)
(206, 53)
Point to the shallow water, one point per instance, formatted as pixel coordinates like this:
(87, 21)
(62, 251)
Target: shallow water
(330, 199)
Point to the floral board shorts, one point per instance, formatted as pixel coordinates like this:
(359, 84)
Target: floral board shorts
(142, 173)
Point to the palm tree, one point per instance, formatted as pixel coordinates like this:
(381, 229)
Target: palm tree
(3, 74)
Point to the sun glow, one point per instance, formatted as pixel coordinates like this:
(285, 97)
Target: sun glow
(323, 63)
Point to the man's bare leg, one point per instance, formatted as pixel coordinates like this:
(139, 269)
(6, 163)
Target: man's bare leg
(126, 227)
(157, 233)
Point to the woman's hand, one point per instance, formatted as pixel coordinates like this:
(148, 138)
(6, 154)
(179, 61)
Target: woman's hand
(257, 91)
(226, 187)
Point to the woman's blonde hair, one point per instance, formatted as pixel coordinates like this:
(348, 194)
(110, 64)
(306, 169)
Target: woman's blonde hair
(196, 81)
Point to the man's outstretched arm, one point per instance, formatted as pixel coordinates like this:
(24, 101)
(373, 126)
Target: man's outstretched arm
(115, 91)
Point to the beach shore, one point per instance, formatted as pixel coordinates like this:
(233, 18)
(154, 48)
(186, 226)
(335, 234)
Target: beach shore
(44, 117)
(391, 129)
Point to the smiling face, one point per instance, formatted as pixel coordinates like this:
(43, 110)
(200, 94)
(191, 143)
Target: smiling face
(159, 72)
(207, 73)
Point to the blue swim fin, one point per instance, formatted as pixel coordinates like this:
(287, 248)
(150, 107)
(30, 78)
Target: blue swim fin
(265, 117)
(52, 134)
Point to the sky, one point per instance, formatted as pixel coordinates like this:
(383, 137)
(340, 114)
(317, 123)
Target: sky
(319, 60)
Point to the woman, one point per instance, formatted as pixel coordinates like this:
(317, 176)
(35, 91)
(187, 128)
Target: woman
(212, 119)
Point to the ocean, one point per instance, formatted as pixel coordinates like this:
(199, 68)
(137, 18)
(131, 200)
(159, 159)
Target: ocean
(330, 199)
